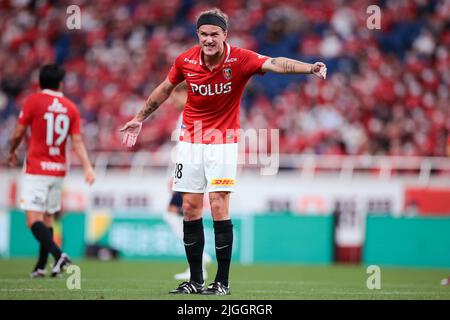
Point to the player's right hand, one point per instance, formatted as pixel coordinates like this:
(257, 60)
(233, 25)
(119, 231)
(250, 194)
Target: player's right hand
(131, 129)
(12, 159)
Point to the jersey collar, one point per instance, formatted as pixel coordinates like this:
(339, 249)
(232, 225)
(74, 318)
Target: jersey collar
(227, 55)
(53, 93)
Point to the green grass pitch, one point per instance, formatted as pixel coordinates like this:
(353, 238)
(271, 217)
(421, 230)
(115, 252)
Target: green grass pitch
(152, 280)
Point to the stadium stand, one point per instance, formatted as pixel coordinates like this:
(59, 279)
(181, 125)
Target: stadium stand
(387, 92)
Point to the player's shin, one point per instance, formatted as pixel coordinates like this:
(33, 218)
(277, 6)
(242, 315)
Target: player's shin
(43, 235)
(43, 254)
(194, 242)
(223, 232)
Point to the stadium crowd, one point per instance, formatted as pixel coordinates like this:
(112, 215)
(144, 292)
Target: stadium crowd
(387, 91)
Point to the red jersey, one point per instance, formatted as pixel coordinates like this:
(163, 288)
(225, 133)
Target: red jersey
(211, 114)
(52, 117)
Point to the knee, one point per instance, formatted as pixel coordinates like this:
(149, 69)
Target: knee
(33, 217)
(30, 222)
(219, 205)
(191, 208)
(48, 220)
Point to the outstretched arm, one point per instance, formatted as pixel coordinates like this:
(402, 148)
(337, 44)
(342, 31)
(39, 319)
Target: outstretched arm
(14, 143)
(290, 66)
(80, 150)
(133, 127)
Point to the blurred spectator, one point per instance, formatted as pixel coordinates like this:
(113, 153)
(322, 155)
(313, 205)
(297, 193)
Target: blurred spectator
(387, 92)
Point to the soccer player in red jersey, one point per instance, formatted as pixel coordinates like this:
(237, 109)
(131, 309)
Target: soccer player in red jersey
(216, 74)
(52, 118)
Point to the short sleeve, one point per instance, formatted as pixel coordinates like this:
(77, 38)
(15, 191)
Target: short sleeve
(75, 122)
(25, 113)
(253, 61)
(175, 74)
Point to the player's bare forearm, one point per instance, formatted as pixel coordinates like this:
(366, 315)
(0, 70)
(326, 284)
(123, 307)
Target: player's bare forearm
(80, 151)
(290, 66)
(16, 138)
(156, 98)
(150, 106)
(285, 65)
(14, 144)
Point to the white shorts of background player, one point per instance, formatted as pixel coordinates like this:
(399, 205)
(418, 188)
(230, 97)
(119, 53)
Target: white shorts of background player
(41, 193)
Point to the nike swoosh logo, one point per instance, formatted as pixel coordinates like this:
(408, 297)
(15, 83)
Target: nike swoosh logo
(190, 244)
(191, 74)
(218, 248)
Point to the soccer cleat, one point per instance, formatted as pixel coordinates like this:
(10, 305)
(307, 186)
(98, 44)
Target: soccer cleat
(38, 273)
(218, 289)
(186, 275)
(60, 265)
(190, 287)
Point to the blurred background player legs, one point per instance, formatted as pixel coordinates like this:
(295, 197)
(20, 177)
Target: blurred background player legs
(41, 199)
(39, 268)
(174, 218)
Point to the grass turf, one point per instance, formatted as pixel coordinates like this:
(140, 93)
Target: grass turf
(153, 280)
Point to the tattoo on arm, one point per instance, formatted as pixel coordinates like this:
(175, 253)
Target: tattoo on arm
(286, 65)
(150, 107)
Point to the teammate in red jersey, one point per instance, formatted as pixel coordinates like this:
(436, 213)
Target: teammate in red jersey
(216, 74)
(52, 118)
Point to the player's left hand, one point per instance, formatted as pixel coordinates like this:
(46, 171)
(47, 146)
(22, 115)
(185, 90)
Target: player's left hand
(132, 129)
(12, 159)
(319, 69)
(89, 176)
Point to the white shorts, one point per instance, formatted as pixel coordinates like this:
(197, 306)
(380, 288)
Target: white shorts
(41, 193)
(205, 167)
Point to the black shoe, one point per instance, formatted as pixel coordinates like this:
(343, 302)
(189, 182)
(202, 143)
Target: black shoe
(218, 289)
(190, 287)
(60, 265)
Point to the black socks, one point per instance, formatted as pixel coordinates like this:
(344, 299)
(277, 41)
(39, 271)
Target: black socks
(45, 238)
(194, 242)
(43, 254)
(223, 232)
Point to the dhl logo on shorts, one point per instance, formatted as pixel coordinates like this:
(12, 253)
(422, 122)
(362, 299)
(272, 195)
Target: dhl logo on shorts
(222, 182)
